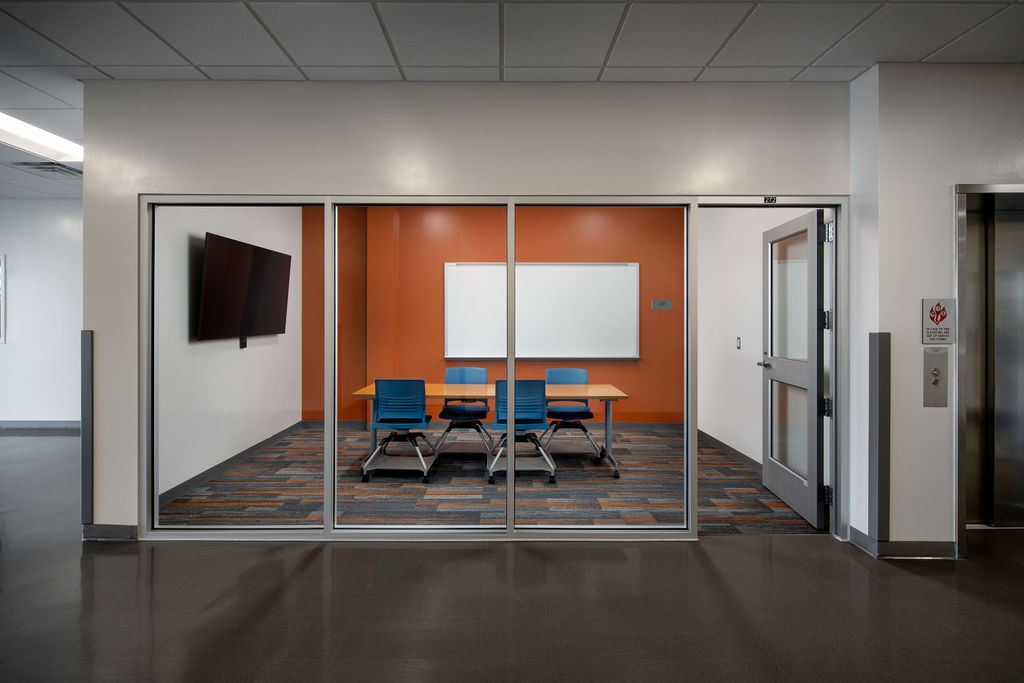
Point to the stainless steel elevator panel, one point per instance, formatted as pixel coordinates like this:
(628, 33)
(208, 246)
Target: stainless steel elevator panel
(1006, 347)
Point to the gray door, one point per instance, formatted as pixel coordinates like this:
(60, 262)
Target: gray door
(792, 365)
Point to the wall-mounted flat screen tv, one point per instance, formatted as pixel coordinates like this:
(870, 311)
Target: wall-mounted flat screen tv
(244, 290)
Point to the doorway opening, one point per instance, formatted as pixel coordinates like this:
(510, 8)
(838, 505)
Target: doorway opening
(767, 302)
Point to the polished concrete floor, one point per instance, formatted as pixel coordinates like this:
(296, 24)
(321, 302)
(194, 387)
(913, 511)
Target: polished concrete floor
(745, 608)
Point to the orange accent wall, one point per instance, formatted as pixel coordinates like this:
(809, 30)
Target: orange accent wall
(391, 260)
(312, 313)
(352, 311)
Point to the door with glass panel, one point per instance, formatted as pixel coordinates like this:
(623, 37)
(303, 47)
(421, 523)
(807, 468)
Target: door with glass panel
(793, 379)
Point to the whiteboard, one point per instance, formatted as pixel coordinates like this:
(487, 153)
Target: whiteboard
(563, 310)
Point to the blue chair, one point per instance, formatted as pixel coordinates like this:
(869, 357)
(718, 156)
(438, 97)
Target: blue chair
(465, 413)
(530, 406)
(400, 405)
(569, 413)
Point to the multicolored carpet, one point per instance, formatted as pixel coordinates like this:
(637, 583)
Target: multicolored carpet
(283, 486)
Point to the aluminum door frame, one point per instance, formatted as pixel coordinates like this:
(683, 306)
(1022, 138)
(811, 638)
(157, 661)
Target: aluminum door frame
(803, 494)
(839, 384)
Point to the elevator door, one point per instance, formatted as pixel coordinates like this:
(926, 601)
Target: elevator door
(1006, 353)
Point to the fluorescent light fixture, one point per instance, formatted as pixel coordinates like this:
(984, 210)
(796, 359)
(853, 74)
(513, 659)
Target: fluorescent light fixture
(25, 136)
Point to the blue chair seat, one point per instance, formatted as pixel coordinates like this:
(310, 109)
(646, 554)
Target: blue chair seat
(570, 413)
(463, 412)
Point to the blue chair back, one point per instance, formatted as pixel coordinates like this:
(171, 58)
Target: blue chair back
(567, 376)
(531, 408)
(465, 376)
(400, 400)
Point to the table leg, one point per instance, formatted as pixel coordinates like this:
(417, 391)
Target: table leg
(608, 435)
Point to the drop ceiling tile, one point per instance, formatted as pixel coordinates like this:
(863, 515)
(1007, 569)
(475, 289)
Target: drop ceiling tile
(1000, 40)
(10, 155)
(10, 191)
(9, 173)
(651, 73)
(20, 45)
(442, 33)
(554, 73)
(352, 73)
(830, 73)
(29, 181)
(66, 123)
(456, 73)
(253, 73)
(790, 34)
(906, 33)
(211, 32)
(322, 34)
(17, 95)
(61, 82)
(98, 32)
(749, 73)
(558, 34)
(153, 73)
(675, 34)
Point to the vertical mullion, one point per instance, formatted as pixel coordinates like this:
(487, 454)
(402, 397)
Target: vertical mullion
(330, 371)
(510, 364)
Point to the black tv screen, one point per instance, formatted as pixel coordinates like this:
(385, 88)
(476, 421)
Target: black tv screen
(244, 290)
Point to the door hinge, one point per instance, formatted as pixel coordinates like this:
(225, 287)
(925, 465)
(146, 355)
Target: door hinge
(825, 494)
(827, 232)
(825, 320)
(825, 407)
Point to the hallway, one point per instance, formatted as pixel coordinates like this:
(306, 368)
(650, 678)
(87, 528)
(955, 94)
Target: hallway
(788, 607)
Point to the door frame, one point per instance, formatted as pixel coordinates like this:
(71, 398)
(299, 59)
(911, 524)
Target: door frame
(148, 530)
(838, 437)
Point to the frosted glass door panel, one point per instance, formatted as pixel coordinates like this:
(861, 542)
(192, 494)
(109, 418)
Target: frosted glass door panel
(789, 298)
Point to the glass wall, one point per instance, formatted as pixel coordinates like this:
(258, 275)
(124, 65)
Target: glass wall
(421, 299)
(238, 337)
(600, 318)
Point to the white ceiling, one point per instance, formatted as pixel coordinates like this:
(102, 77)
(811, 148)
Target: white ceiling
(48, 48)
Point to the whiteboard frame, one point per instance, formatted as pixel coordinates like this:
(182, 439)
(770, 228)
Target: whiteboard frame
(636, 269)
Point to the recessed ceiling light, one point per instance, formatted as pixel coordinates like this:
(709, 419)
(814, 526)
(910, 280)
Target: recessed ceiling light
(25, 136)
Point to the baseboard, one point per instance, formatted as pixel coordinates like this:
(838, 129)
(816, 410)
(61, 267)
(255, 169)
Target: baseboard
(109, 532)
(729, 450)
(903, 550)
(175, 492)
(40, 428)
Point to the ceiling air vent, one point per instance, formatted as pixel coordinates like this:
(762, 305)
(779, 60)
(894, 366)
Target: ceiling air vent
(48, 168)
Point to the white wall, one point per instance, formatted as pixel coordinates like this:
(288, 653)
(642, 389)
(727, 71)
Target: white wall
(405, 139)
(213, 398)
(40, 365)
(863, 306)
(729, 305)
(937, 126)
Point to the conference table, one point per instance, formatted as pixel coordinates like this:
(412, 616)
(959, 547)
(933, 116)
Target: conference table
(606, 393)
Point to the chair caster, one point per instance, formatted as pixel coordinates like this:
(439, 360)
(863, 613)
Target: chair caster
(366, 477)
(551, 479)
(615, 475)
(490, 479)
(426, 479)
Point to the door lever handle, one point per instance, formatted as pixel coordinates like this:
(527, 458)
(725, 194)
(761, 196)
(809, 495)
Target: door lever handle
(765, 364)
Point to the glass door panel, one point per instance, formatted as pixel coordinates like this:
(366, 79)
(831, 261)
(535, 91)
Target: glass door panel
(789, 297)
(238, 366)
(600, 306)
(421, 317)
(789, 427)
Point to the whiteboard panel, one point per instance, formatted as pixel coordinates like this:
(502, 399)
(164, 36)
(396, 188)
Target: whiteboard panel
(563, 310)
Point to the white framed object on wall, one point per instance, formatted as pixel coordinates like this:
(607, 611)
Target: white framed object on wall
(563, 310)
